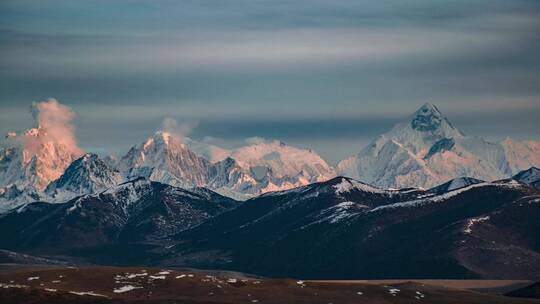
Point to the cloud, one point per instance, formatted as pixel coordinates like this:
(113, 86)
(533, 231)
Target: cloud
(213, 140)
(264, 49)
(255, 140)
(53, 122)
(180, 130)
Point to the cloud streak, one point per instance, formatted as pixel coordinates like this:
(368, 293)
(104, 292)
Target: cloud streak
(249, 50)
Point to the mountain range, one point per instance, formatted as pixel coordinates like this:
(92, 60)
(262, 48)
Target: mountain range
(423, 151)
(421, 201)
(343, 228)
(340, 228)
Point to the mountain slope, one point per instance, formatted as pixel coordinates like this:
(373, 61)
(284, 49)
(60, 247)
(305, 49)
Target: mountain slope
(427, 150)
(530, 176)
(86, 175)
(164, 158)
(138, 211)
(346, 229)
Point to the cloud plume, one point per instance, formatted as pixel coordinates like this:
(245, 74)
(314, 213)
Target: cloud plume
(180, 130)
(53, 124)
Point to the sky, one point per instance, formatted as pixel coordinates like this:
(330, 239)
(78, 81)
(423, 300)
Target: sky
(328, 75)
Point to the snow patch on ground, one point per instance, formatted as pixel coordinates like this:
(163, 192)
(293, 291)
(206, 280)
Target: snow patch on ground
(2, 285)
(348, 185)
(87, 293)
(433, 199)
(125, 288)
(341, 211)
(472, 221)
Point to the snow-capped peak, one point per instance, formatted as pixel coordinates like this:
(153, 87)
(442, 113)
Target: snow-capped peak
(165, 158)
(86, 175)
(282, 160)
(34, 159)
(345, 185)
(426, 116)
(530, 176)
(427, 150)
(454, 184)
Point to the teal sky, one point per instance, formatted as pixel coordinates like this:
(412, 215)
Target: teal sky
(329, 75)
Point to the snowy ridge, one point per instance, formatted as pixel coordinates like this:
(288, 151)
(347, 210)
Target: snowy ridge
(455, 184)
(348, 185)
(447, 195)
(530, 176)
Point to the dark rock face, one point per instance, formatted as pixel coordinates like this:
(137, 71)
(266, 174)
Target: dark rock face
(445, 144)
(427, 118)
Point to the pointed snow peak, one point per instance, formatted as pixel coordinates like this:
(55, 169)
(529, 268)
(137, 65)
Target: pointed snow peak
(427, 118)
(86, 175)
(429, 108)
(344, 185)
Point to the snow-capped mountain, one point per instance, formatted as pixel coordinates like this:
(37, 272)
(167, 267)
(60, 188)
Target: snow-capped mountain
(32, 160)
(530, 176)
(86, 175)
(271, 165)
(28, 163)
(240, 173)
(134, 211)
(12, 196)
(427, 150)
(164, 158)
(282, 166)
